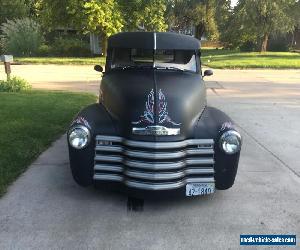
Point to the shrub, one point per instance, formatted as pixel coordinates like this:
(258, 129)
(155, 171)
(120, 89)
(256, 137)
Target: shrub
(248, 46)
(278, 43)
(14, 84)
(70, 46)
(21, 37)
(44, 50)
(1, 46)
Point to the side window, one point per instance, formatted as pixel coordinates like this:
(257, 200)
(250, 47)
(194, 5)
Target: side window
(120, 58)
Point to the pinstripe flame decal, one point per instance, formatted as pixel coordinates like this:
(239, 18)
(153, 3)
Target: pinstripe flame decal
(163, 114)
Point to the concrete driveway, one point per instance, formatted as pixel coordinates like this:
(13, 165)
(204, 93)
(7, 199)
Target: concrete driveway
(58, 77)
(45, 209)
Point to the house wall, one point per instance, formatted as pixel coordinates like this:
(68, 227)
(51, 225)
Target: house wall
(296, 43)
(95, 44)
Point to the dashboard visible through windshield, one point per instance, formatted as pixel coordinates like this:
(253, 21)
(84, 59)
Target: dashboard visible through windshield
(183, 60)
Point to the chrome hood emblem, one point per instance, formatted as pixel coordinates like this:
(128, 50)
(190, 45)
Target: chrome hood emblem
(156, 130)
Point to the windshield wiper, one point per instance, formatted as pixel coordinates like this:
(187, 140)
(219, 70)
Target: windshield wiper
(152, 67)
(134, 67)
(173, 68)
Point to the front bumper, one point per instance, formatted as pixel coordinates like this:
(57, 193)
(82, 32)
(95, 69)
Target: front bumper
(118, 187)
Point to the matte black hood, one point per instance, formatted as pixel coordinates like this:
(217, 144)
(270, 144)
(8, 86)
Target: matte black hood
(141, 98)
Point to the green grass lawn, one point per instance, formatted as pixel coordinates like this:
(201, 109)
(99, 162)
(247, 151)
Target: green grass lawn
(30, 122)
(221, 59)
(61, 60)
(226, 59)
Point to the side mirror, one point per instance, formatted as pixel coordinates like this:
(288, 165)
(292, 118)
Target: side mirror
(208, 72)
(98, 68)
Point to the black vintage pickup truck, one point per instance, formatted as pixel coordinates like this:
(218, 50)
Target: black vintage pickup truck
(152, 132)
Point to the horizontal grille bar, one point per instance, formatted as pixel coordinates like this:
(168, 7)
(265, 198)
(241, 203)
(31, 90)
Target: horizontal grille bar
(156, 145)
(153, 175)
(149, 155)
(167, 175)
(156, 165)
(109, 168)
(152, 186)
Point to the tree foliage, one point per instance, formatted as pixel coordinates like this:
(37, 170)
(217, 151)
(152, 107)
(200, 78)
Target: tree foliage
(13, 9)
(261, 18)
(296, 13)
(185, 14)
(33, 7)
(144, 15)
(56, 13)
(233, 33)
(102, 17)
(222, 15)
(105, 16)
(250, 23)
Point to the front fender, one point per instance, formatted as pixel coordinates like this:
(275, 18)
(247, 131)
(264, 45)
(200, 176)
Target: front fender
(211, 125)
(98, 121)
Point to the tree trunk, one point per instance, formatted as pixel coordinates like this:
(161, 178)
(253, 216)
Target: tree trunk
(199, 30)
(103, 44)
(264, 43)
(293, 38)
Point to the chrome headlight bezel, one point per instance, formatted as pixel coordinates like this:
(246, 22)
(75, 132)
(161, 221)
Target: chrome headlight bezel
(229, 135)
(84, 130)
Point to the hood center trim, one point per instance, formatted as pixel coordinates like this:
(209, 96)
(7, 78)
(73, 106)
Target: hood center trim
(156, 131)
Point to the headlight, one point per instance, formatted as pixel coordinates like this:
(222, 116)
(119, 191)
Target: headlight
(231, 142)
(79, 136)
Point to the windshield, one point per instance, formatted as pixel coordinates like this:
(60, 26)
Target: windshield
(183, 60)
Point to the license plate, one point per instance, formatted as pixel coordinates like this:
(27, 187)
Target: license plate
(193, 189)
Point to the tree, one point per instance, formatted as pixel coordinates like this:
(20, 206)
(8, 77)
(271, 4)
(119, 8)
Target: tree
(33, 7)
(184, 14)
(233, 33)
(108, 17)
(57, 13)
(10, 10)
(296, 16)
(144, 15)
(262, 18)
(296, 11)
(102, 17)
(223, 15)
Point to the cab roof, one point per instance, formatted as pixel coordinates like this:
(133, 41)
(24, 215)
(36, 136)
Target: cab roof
(153, 40)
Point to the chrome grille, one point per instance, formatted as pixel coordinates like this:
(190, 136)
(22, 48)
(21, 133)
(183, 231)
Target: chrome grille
(154, 165)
